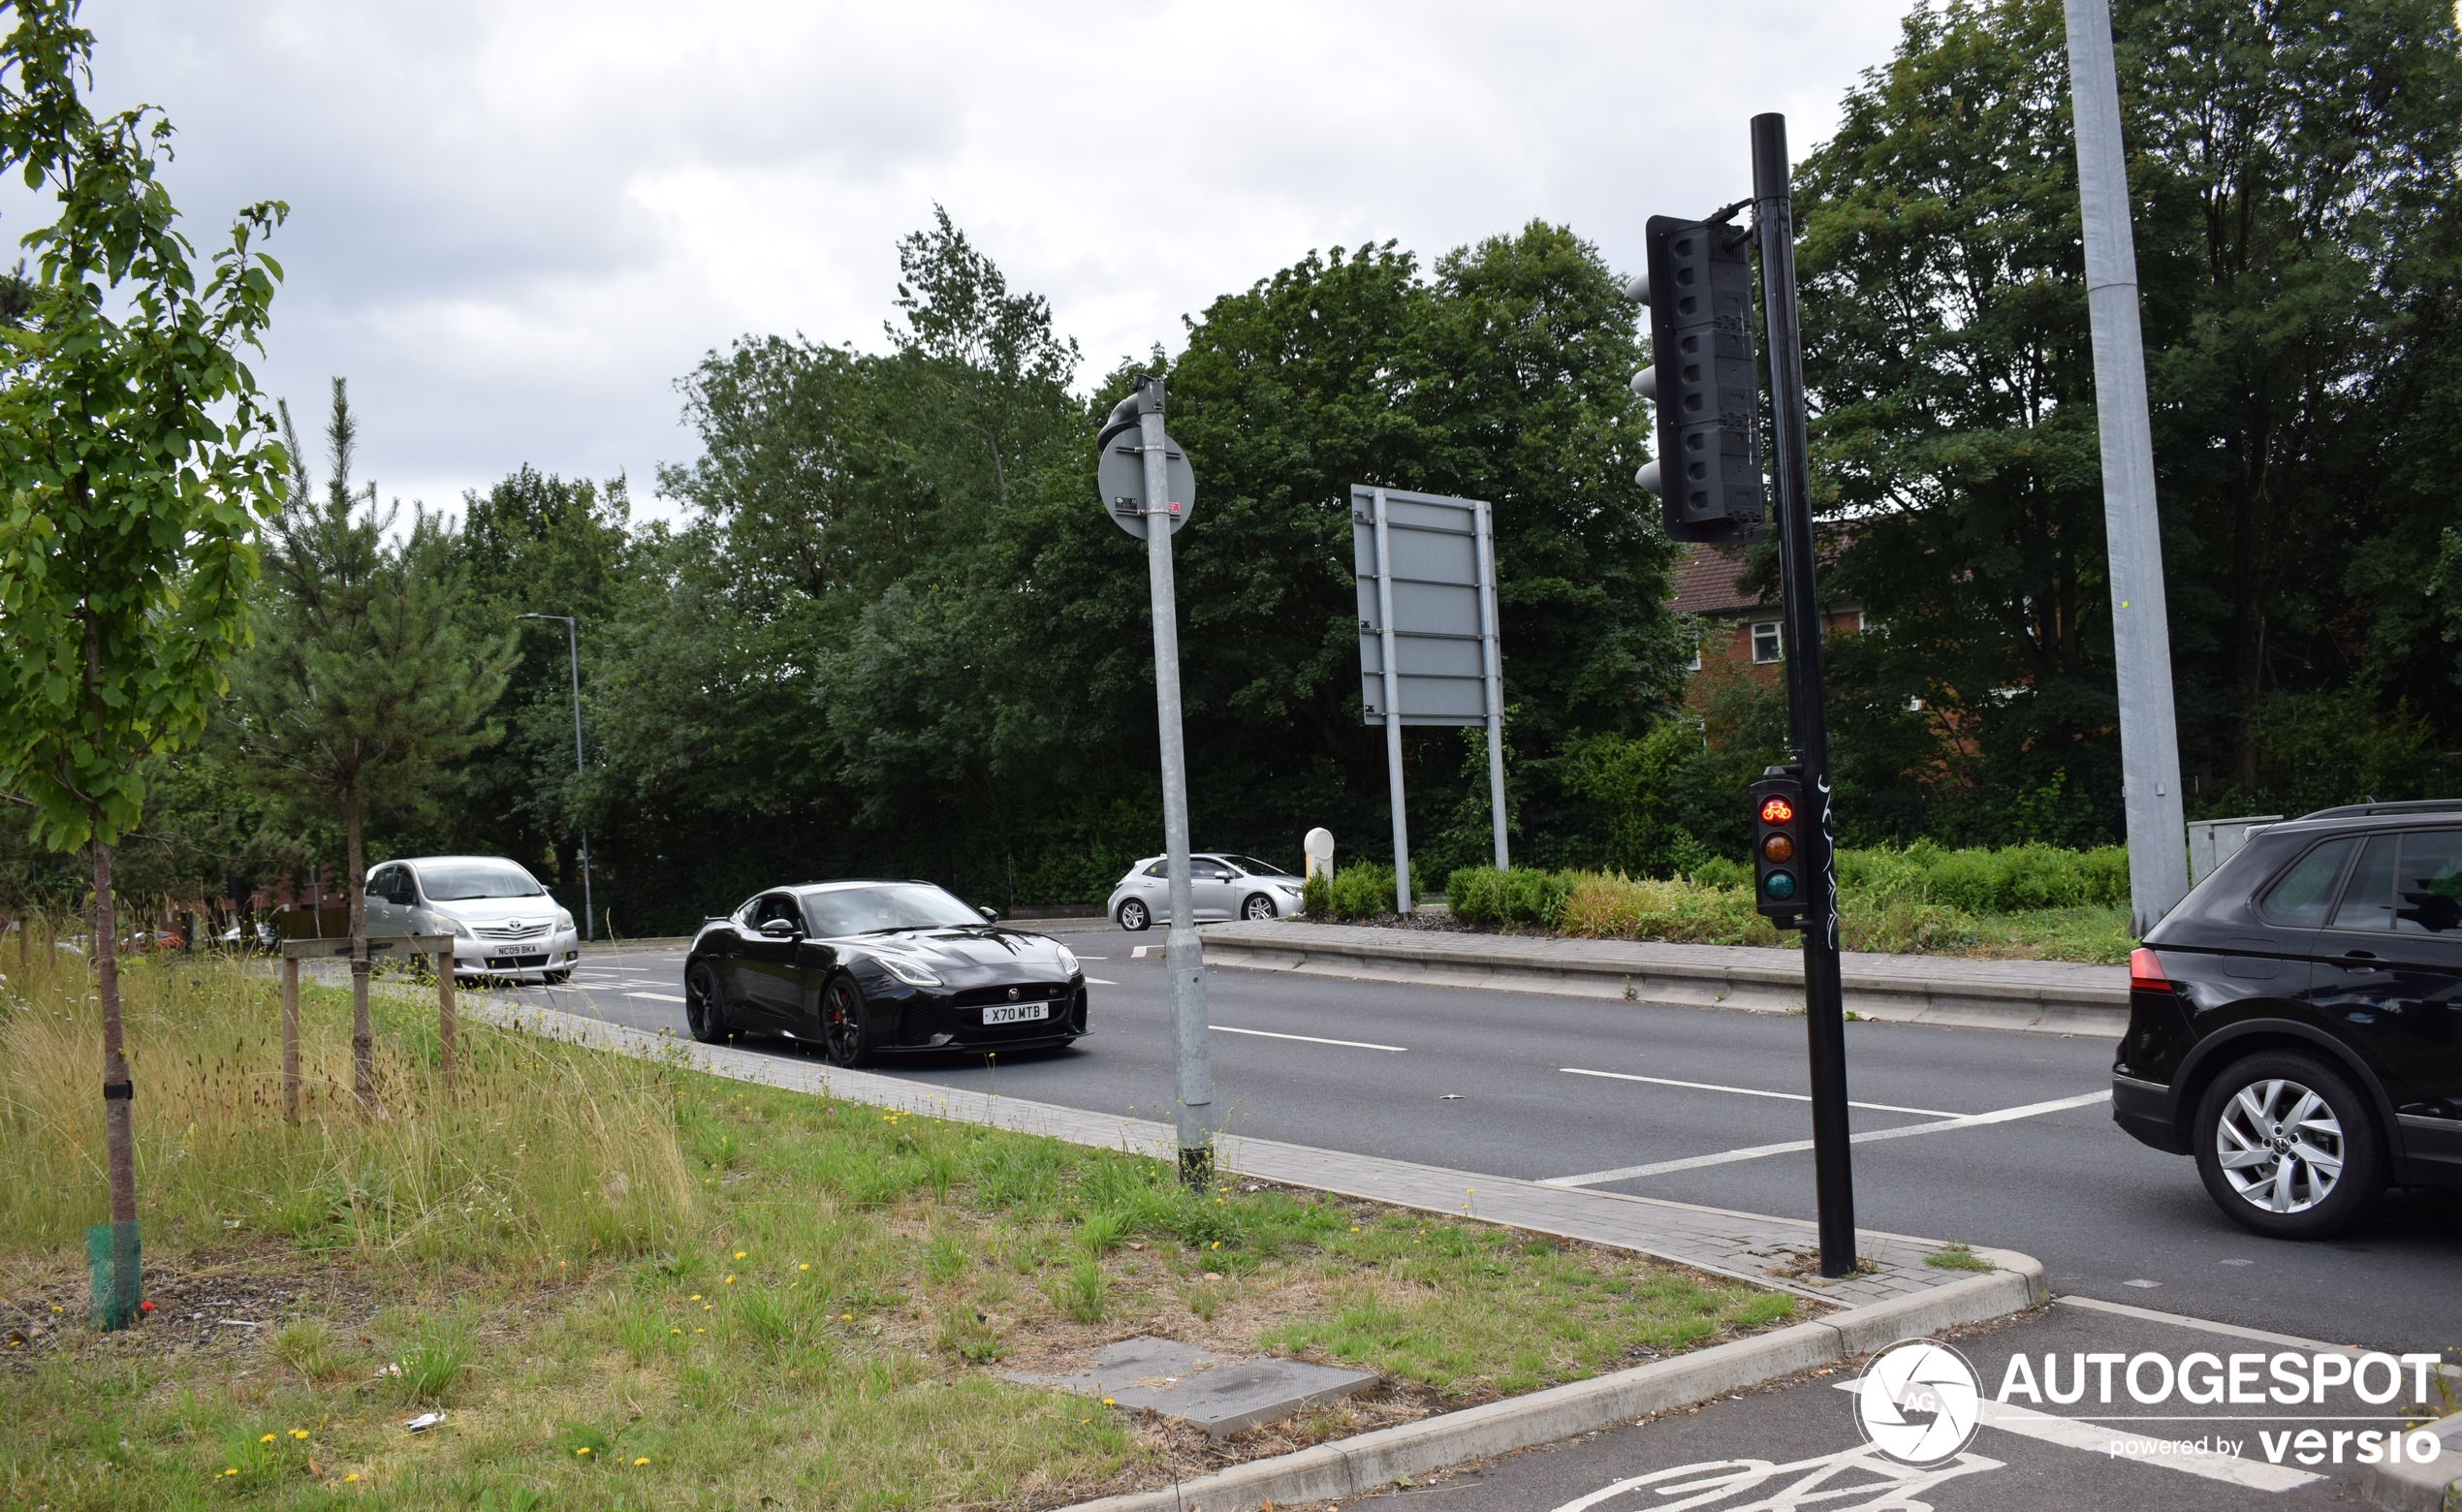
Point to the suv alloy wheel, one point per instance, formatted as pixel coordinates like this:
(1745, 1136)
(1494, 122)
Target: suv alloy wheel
(1133, 916)
(1257, 909)
(2288, 1148)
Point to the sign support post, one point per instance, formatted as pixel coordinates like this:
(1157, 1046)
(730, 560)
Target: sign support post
(1165, 494)
(1491, 665)
(1393, 708)
(1824, 1007)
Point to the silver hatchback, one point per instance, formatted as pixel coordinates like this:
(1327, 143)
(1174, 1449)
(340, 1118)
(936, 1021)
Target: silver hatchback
(1222, 885)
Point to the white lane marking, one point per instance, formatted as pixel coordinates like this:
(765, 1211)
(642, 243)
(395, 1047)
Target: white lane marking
(2104, 1439)
(663, 998)
(1309, 1039)
(2228, 1329)
(1100, 982)
(1094, 957)
(1750, 1091)
(1758, 1151)
(1139, 952)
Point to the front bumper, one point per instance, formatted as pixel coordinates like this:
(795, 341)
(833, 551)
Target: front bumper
(2150, 1111)
(525, 959)
(920, 1020)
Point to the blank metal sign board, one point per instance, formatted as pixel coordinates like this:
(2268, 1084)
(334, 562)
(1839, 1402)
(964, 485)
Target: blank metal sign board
(1443, 598)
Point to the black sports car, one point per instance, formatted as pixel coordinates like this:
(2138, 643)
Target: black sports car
(865, 967)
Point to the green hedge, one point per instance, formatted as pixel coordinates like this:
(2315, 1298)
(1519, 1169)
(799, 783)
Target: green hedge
(1361, 890)
(2013, 879)
(1488, 899)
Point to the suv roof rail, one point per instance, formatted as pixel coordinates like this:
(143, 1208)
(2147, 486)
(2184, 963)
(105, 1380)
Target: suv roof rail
(2416, 806)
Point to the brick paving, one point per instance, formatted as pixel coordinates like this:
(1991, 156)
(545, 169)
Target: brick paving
(1767, 1251)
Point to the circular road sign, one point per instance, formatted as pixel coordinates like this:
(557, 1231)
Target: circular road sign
(1119, 477)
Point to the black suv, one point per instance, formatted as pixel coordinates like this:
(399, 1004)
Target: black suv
(2297, 1022)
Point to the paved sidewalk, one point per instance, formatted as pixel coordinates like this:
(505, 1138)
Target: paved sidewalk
(2055, 995)
(1767, 1251)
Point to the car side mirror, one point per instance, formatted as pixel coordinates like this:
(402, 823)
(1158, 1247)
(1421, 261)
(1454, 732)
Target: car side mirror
(990, 915)
(780, 930)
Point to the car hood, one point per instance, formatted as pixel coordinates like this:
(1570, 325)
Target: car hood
(957, 950)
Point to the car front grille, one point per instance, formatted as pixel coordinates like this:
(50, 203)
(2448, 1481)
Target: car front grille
(498, 931)
(1027, 993)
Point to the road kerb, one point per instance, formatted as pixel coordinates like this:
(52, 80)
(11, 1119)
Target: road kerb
(1374, 1461)
(2417, 1488)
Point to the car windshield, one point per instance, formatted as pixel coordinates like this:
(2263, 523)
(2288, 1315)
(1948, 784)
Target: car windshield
(1256, 868)
(461, 881)
(890, 905)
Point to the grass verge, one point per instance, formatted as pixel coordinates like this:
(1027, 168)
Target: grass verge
(627, 1284)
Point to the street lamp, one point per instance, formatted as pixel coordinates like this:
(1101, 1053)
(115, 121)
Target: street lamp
(573, 642)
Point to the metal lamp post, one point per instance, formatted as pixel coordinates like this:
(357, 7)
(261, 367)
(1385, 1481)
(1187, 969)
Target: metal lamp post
(573, 643)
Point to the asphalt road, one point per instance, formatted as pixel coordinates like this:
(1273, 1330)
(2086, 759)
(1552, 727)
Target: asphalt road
(1545, 1088)
(1798, 1444)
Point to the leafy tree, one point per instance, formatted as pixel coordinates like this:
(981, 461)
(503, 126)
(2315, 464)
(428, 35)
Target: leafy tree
(362, 684)
(137, 461)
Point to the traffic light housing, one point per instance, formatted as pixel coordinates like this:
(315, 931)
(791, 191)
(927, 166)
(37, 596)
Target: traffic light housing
(1703, 381)
(1780, 887)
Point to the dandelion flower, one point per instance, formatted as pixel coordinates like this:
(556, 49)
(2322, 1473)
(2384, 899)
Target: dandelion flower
(231, 1472)
(846, 1317)
(730, 1280)
(298, 1432)
(805, 1266)
(696, 1296)
(1107, 1401)
(644, 1460)
(266, 1439)
(701, 1331)
(351, 1476)
(738, 1254)
(584, 1449)
(675, 1330)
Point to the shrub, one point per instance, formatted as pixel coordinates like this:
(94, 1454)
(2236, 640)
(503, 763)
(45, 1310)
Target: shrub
(1360, 891)
(1488, 899)
(1614, 906)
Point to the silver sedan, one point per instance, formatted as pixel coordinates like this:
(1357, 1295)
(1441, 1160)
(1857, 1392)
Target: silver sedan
(1222, 885)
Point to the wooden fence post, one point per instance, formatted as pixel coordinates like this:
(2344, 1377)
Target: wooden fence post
(444, 1011)
(290, 1036)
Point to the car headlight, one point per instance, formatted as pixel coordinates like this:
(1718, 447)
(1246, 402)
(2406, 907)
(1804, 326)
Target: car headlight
(564, 918)
(908, 973)
(1068, 960)
(459, 927)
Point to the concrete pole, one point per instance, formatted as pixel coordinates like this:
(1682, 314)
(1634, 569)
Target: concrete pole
(1184, 958)
(1491, 665)
(2140, 629)
(1392, 709)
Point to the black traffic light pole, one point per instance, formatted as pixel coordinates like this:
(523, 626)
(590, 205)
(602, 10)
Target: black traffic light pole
(1824, 1010)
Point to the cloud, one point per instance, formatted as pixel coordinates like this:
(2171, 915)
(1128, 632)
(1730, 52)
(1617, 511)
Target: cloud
(514, 225)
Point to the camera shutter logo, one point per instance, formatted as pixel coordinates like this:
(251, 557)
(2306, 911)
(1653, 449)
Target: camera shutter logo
(1918, 1402)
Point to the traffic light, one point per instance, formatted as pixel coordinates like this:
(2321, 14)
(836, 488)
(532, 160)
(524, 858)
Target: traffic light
(1702, 380)
(1779, 883)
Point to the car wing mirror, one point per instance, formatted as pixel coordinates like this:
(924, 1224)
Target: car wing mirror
(990, 915)
(780, 930)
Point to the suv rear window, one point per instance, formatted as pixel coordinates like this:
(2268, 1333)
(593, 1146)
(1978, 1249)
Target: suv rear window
(2307, 890)
(2410, 883)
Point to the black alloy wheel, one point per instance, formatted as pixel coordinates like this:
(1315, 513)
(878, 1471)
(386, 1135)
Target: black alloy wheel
(2288, 1146)
(1133, 916)
(1257, 908)
(702, 1013)
(843, 1024)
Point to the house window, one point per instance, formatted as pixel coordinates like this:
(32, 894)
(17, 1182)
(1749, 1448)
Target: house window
(1765, 642)
(1693, 656)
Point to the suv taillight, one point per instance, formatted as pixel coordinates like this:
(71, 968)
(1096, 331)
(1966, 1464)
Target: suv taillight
(2145, 972)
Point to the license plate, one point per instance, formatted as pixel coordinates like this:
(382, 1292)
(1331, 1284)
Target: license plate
(1016, 1013)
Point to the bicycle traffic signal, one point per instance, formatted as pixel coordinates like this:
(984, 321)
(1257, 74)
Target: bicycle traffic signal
(1702, 380)
(1779, 884)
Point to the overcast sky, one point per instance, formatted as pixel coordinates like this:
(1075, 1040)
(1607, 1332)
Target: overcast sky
(514, 223)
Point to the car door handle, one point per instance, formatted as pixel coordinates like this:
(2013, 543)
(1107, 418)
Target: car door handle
(2360, 960)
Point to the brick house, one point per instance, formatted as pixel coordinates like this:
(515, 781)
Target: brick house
(1740, 634)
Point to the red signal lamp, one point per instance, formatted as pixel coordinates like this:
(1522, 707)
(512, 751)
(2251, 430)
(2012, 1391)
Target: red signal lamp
(1777, 810)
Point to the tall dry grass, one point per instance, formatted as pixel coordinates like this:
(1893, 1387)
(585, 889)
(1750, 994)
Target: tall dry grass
(545, 1149)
